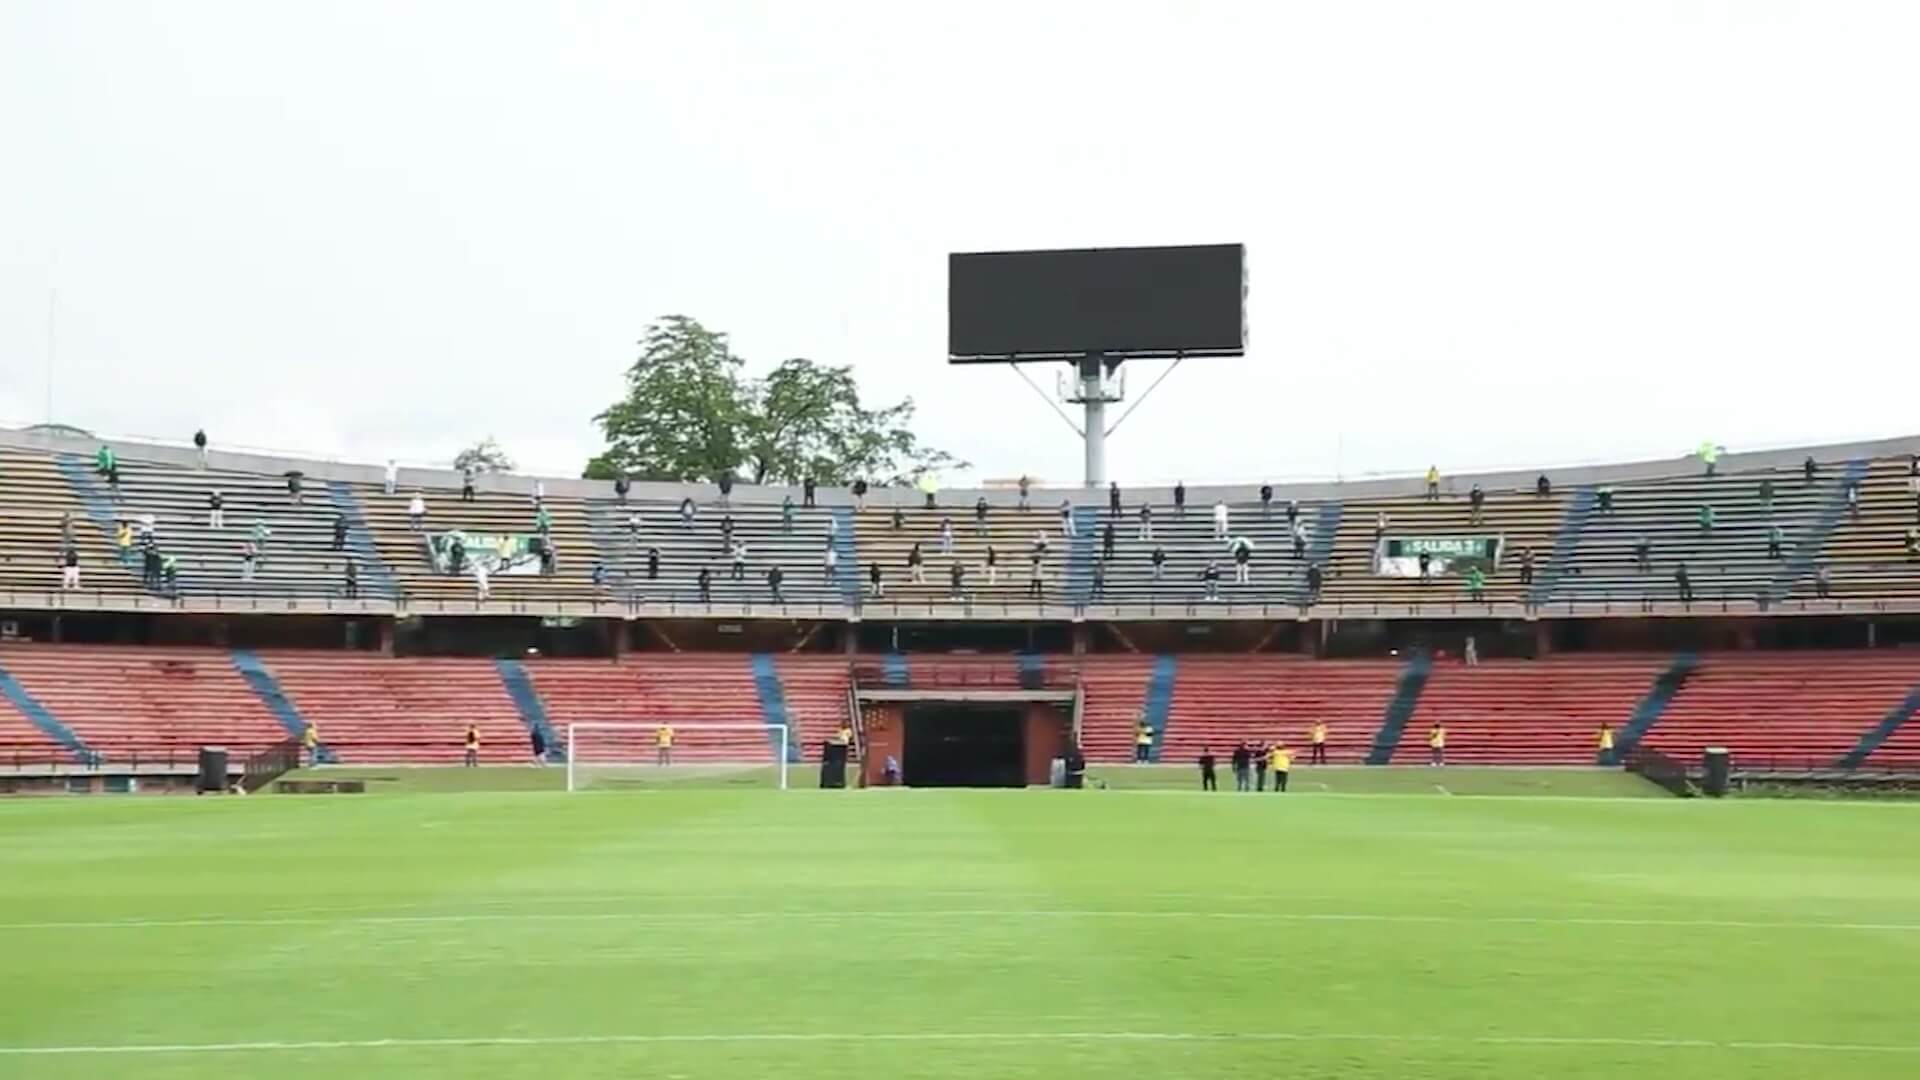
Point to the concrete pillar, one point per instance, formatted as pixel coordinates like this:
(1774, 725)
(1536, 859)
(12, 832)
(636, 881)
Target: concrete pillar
(1082, 638)
(1542, 640)
(386, 636)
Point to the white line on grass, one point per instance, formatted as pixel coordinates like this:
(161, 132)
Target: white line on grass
(832, 914)
(953, 1036)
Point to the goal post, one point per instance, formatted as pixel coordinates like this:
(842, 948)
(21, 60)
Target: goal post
(625, 753)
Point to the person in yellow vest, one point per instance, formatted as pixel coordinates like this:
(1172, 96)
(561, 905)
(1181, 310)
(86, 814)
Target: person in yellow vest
(1606, 744)
(473, 746)
(663, 745)
(1143, 742)
(1280, 759)
(310, 739)
(1437, 745)
(1318, 754)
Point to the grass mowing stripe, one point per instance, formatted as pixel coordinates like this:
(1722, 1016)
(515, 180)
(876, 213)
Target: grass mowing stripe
(478, 1041)
(955, 913)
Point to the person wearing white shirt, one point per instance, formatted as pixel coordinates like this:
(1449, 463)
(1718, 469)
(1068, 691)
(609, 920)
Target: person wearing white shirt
(417, 512)
(393, 475)
(480, 590)
(1220, 521)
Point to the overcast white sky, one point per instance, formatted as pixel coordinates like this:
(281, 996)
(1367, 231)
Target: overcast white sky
(1478, 233)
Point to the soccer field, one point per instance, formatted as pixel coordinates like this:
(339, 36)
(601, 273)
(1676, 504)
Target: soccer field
(750, 933)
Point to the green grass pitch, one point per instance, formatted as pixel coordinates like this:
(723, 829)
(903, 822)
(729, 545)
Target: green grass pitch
(743, 932)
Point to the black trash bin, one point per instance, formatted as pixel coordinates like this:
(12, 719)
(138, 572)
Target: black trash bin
(1715, 765)
(213, 769)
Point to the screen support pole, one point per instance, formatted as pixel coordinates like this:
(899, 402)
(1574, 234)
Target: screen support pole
(1093, 396)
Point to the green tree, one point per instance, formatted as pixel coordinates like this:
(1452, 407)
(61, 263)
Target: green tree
(691, 413)
(484, 457)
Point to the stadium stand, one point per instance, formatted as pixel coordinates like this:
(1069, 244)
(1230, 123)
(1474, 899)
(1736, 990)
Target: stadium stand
(35, 497)
(415, 710)
(1521, 519)
(1220, 700)
(681, 689)
(1528, 712)
(125, 701)
(684, 549)
(1785, 709)
(1867, 552)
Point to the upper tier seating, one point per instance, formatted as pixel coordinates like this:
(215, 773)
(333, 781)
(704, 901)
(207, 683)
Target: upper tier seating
(1583, 558)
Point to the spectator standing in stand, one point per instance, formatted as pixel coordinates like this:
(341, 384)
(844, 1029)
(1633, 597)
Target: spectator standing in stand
(1766, 494)
(69, 569)
(1159, 563)
(1823, 583)
(1853, 498)
(1477, 502)
(393, 476)
(807, 489)
(1379, 526)
(104, 461)
(703, 581)
(1066, 519)
(1526, 566)
(249, 555)
(1220, 519)
(1211, 578)
(622, 485)
(1026, 486)
(1543, 488)
(1606, 498)
(653, 564)
(1293, 512)
(1476, 584)
(1142, 740)
(874, 587)
(980, 516)
(352, 583)
(1099, 578)
(1242, 561)
(1146, 522)
(417, 512)
(726, 532)
(1266, 501)
(1809, 469)
(466, 483)
(1314, 580)
(1180, 499)
(339, 531)
(946, 537)
(686, 512)
(200, 446)
(775, 576)
(1037, 578)
(470, 757)
(1684, 582)
(740, 561)
(482, 587)
(899, 519)
(859, 490)
(1433, 483)
(1705, 518)
(1774, 537)
(1426, 567)
(786, 513)
(1106, 541)
(1113, 499)
(956, 574)
(1643, 553)
(916, 568)
(993, 566)
(831, 559)
(726, 489)
(216, 510)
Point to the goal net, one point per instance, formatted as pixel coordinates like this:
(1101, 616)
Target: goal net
(662, 753)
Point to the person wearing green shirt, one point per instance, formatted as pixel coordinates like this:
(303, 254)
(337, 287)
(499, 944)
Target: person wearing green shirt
(1706, 518)
(1476, 583)
(103, 460)
(542, 521)
(1774, 538)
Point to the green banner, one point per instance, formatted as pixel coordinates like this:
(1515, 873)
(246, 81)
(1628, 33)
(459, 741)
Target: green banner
(513, 554)
(1447, 556)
